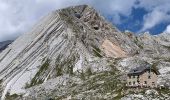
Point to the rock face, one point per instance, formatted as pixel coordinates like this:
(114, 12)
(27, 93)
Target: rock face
(74, 53)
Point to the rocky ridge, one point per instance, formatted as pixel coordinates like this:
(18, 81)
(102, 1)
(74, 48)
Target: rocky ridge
(74, 53)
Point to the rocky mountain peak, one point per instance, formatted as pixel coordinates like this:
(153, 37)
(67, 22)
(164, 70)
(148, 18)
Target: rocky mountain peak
(66, 42)
(75, 53)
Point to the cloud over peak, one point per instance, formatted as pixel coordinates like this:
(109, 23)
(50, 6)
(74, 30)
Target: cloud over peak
(167, 30)
(18, 16)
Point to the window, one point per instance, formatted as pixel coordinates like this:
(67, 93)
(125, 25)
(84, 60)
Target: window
(129, 83)
(133, 82)
(145, 82)
(134, 76)
(129, 77)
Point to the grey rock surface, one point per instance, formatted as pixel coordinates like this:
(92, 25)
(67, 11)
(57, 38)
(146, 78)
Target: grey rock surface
(74, 53)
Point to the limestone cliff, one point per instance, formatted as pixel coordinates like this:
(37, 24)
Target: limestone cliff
(74, 53)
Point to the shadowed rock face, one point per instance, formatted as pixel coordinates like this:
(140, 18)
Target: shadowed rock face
(4, 45)
(74, 53)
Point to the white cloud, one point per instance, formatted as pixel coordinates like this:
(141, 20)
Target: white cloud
(123, 7)
(158, 13)
(18, 16)
(167, 30)
(154, 18)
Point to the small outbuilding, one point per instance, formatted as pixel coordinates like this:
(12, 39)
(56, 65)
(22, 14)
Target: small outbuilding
(143, 76)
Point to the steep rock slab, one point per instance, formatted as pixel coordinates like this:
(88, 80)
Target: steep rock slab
(67, 41)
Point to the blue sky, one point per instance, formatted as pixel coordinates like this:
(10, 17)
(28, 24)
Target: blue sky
(19, 16)
(134, 22)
